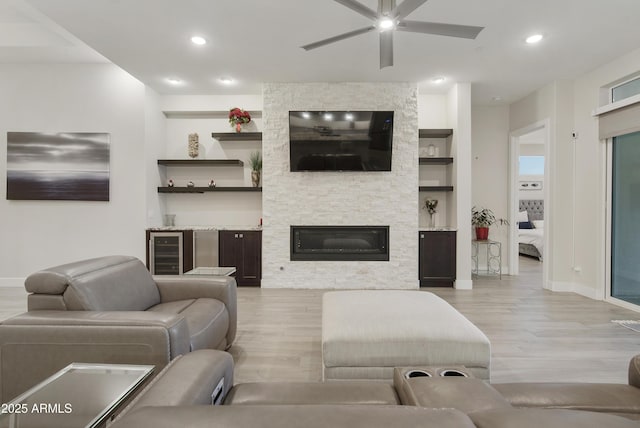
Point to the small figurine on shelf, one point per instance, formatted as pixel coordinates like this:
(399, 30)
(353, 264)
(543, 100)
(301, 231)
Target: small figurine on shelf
(191, 184)
(170, 183)
(212, 183)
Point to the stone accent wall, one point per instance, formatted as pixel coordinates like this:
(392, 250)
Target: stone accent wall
(340, 198)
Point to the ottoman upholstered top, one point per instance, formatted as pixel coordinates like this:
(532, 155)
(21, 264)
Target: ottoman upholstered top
(368, 332)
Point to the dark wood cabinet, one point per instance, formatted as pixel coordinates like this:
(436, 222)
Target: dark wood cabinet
(242, 249)
(437, 258)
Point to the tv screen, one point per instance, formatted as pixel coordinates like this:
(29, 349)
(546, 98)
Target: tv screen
(340, 140)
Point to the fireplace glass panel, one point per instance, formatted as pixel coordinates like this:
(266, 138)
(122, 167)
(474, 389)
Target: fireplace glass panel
(337, 243)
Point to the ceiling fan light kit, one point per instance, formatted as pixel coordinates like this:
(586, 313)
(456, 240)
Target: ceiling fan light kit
(390, 18)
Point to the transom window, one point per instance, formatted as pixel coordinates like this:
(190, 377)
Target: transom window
(625, 90)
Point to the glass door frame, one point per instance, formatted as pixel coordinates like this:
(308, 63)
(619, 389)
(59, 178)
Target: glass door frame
(609, 232)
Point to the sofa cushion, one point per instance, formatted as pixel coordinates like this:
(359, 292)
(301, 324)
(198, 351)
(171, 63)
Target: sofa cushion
(208, 321)
(344, 392)
(111, 283)
(307, 416)
(547, 418)
(607, 398)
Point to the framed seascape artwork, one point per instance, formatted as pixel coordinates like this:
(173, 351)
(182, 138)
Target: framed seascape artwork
(68, 166)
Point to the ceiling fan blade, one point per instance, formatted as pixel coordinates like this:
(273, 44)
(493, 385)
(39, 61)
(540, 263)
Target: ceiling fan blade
(386, 49)
(359, 7)
(452, 30)
(338, 38)
(406, 7)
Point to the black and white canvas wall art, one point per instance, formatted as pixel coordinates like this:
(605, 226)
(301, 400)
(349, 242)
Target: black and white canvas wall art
(71, 166)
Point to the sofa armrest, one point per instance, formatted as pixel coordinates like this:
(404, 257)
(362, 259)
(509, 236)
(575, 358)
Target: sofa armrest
(221, 288)
(190, 379)
(35, 345)
(634, 371)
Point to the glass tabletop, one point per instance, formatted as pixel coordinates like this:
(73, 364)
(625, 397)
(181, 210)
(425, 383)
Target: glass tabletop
(212, 271)
(80, 395)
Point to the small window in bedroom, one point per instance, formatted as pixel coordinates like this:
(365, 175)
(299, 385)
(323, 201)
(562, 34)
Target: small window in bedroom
(531, 165)
(625, 90)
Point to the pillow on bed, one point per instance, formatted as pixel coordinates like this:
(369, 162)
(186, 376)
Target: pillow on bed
(538, 224)
(525, 225)
(523, 216)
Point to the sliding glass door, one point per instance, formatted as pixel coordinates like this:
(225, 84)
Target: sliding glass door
(625, 219)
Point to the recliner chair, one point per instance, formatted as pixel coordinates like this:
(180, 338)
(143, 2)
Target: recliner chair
(112, 310)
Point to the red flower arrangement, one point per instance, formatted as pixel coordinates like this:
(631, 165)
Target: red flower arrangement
(237, 116)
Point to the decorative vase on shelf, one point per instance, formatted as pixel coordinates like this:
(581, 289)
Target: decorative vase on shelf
(255, 178)
(238, 127)
(432, 220)
(193, 145)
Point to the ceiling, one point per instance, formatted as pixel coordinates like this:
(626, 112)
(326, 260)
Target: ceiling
(255, 41)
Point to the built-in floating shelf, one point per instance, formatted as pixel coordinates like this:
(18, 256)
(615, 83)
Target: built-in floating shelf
(434, 133)
(205, 114)
(436, 188)
(436, 161)
(207, 189)
(200, 162)
(237, 136)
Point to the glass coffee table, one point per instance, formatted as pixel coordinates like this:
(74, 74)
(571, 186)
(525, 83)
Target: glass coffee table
(212, 271)
(79, 395)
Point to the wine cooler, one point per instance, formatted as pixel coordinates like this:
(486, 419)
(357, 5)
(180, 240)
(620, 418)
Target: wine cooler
(165, 253)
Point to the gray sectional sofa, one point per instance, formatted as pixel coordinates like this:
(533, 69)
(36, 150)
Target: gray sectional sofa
(112, 310)
(182, 396)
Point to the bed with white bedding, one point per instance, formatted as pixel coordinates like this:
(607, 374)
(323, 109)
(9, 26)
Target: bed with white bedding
(531, 241)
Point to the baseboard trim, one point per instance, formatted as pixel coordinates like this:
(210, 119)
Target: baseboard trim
(12, 282)
(463, 284)
(572, 287)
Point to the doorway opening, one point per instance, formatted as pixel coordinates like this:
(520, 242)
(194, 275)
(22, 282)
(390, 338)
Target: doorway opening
(528, 202)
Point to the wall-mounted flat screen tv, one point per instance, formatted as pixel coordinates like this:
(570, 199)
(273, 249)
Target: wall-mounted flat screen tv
(340, 140)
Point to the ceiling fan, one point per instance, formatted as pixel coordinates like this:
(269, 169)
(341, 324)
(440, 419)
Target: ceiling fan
(390, 18)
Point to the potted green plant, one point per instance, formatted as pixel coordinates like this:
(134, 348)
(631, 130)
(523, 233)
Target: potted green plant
(255, 161)
(482, 219)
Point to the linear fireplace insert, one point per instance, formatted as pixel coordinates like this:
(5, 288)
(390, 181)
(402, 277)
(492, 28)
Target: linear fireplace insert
(340, 243)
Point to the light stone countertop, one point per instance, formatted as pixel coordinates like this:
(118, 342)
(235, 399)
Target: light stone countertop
(217, 227)
(438, 229)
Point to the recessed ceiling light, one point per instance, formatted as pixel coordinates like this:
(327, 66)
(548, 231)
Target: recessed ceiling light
(198, 40)
(226, 80)
(535, 38)
(174, 81)
(386, 23)
(496, 98)
(438, 80)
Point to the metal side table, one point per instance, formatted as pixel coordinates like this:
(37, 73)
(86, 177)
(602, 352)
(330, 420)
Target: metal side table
(493, 253)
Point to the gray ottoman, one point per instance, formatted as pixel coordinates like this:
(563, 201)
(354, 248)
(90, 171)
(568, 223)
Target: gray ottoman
(366, 333)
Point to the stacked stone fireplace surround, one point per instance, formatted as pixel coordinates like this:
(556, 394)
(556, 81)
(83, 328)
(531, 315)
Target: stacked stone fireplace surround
(335, 198)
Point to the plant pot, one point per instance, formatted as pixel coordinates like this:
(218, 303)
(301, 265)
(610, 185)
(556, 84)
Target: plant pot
(482, 233)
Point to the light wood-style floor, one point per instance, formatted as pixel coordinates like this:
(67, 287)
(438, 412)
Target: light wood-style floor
(536, 335)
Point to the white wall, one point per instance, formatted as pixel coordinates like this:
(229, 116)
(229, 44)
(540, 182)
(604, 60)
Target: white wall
(74, 98)
(340, 198)
(590, 173)
(459, 119)
(578, 168)
(490, 168)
